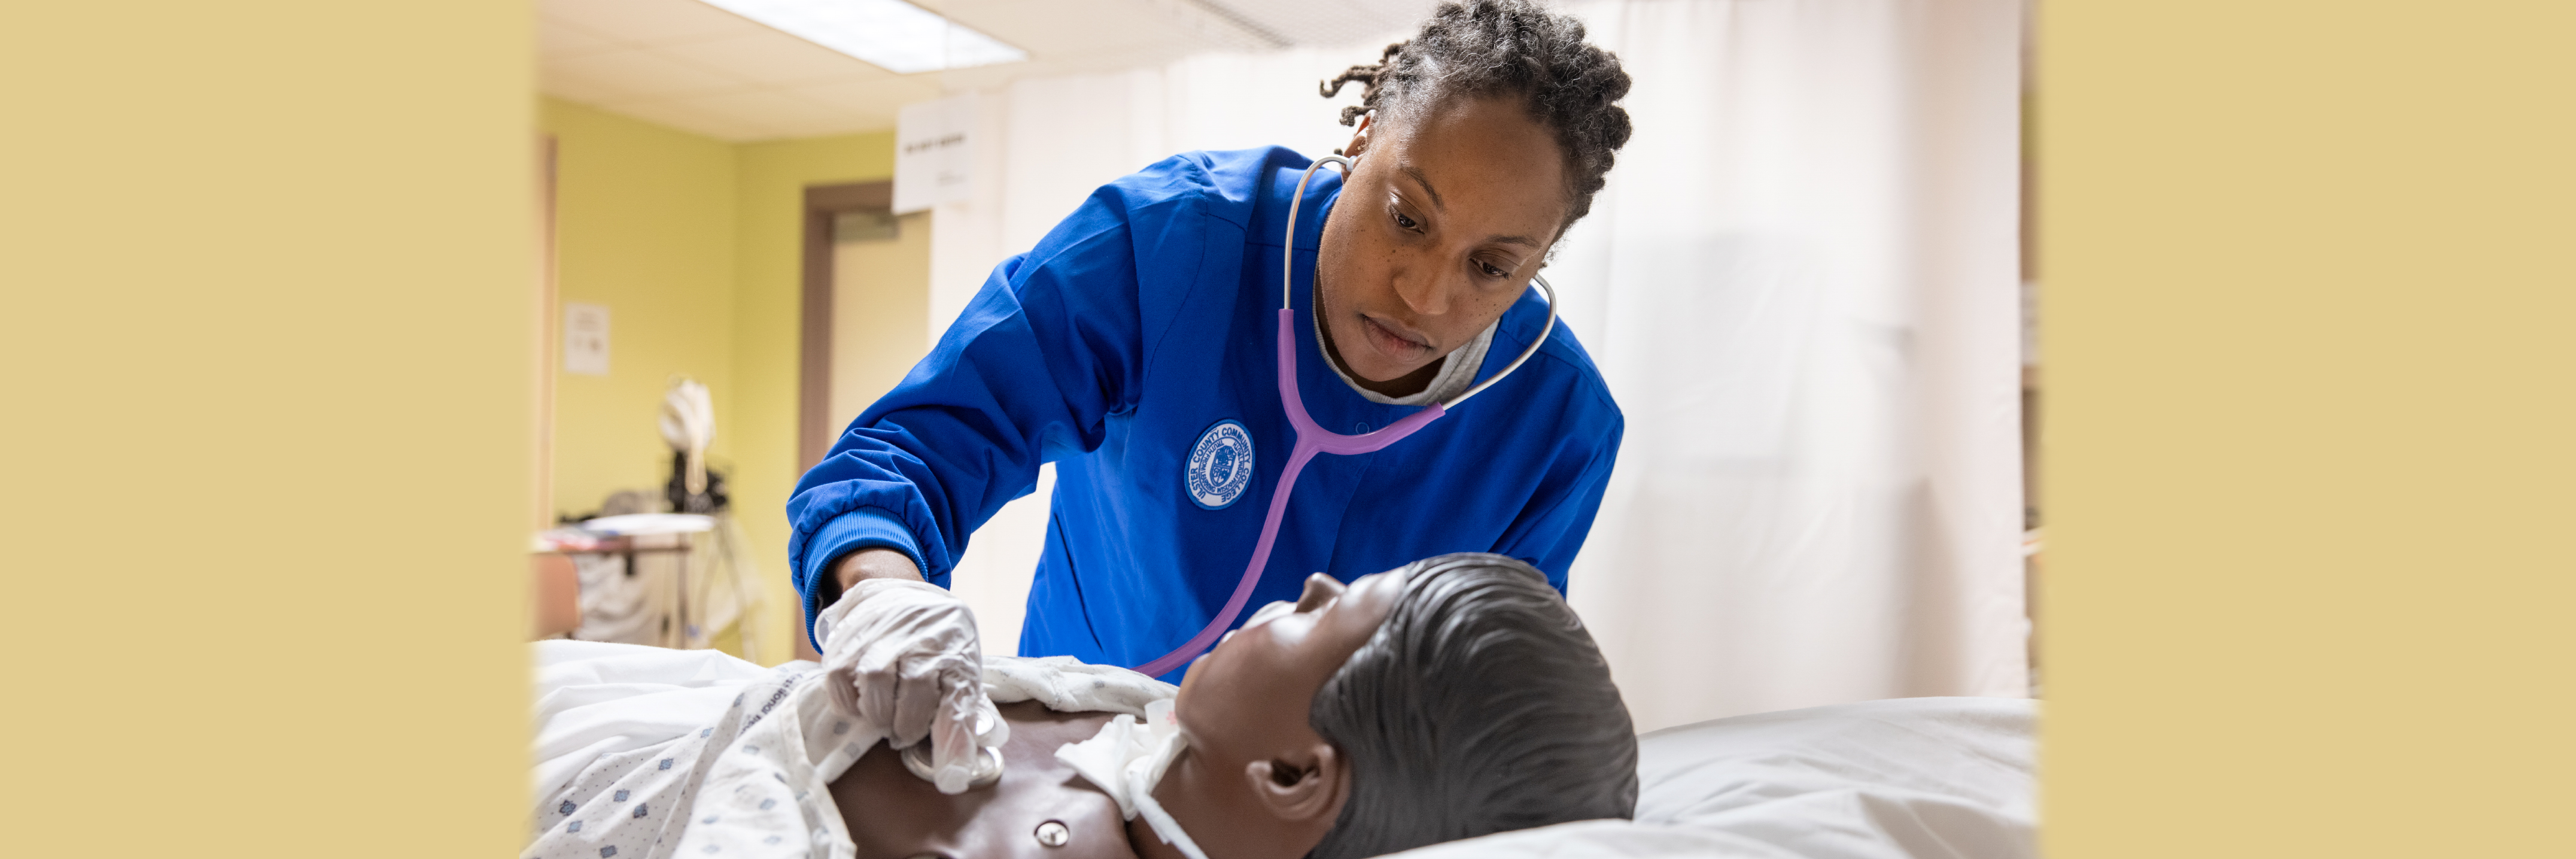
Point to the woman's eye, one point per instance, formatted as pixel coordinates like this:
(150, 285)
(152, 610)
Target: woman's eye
(1490, 270)
(1405, 222)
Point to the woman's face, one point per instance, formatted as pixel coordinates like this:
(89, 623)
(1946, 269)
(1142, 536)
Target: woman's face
(1253, 690)
(1436, 233)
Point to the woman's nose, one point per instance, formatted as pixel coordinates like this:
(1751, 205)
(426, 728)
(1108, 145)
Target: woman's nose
(1425, 294)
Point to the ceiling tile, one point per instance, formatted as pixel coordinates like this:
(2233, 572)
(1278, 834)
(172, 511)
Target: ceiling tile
(1050, 28)
(691, 66)
(575, 85)
(556, 39)
(835, 123)
(647, 22)
(872, 101)
(774, 58)
(1327, 23)
(640, 74)
(1196, 25)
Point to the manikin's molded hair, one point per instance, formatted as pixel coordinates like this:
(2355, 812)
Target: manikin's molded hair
(1514, 49)
(1481, 706)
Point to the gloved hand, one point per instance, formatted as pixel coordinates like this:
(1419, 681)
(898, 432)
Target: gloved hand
(904, 656)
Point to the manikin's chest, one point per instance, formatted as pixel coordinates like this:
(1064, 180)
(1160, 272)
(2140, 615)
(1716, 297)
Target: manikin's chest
(892, 814)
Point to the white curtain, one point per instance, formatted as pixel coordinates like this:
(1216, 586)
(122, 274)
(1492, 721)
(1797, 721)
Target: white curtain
(1801, 284)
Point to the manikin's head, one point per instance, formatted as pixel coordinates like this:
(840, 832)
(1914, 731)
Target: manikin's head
(1478, 142)
(1453, 697)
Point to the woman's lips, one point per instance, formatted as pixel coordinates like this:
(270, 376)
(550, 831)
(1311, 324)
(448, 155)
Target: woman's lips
(1392, 343)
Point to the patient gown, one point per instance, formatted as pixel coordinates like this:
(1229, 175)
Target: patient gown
(645, 752)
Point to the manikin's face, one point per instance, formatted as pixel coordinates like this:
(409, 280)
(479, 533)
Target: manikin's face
(1437, 232)
(1262, 783)
(1258, 683)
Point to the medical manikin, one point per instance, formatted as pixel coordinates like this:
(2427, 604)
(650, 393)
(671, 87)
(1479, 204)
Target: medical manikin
(1453, 697)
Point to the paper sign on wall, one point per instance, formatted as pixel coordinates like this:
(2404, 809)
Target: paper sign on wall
(934, 154)
(585, 339)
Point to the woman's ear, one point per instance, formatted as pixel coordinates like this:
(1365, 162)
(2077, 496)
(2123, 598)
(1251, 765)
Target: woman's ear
(1300, 791)
(1359, 137)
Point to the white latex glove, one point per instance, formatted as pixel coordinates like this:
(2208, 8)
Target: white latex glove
(903, 655)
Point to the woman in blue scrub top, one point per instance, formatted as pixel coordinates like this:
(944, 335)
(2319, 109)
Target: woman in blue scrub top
(1133, 347)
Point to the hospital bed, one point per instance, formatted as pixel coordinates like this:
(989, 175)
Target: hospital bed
(1909, 778)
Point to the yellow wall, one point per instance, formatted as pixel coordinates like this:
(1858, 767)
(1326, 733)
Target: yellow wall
(270, 321)
(644, 220)
(2312, 405)
(695, 246)
(769, 267)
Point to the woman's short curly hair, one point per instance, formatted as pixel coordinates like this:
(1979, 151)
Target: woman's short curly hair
(1513, 48)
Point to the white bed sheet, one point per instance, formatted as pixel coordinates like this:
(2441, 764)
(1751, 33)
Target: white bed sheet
(1910, 778)
(597, 698)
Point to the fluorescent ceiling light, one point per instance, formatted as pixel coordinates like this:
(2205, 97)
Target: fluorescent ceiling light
(898, 36)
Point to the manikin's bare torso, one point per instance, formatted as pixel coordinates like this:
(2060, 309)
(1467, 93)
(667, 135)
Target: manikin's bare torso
(892, 814)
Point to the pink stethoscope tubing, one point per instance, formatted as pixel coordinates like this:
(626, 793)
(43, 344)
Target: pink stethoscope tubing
(1312, 438)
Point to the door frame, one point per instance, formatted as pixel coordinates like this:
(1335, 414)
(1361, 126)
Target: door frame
(823, 205)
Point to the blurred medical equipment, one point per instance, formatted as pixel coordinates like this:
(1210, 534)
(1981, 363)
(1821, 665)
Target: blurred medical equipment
(633, 571)
(675, 579)
(688, 425)
(1313, 438)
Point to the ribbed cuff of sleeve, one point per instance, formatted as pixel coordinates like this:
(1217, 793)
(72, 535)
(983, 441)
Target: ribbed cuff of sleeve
(864, 528)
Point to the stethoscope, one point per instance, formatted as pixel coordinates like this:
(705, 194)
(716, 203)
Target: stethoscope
(1312, 438)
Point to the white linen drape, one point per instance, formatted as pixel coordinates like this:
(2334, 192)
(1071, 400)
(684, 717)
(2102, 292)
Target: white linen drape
(1801, 284)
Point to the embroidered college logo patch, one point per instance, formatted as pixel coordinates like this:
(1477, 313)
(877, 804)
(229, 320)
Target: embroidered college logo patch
(1220, 466)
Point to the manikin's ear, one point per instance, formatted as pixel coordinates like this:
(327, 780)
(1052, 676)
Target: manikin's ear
(1359, 138)
(1298, 791)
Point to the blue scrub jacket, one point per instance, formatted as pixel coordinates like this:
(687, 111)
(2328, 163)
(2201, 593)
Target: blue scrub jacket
(1138, 325)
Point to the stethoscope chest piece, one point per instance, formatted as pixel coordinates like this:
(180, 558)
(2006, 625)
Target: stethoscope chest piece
(988, 766)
